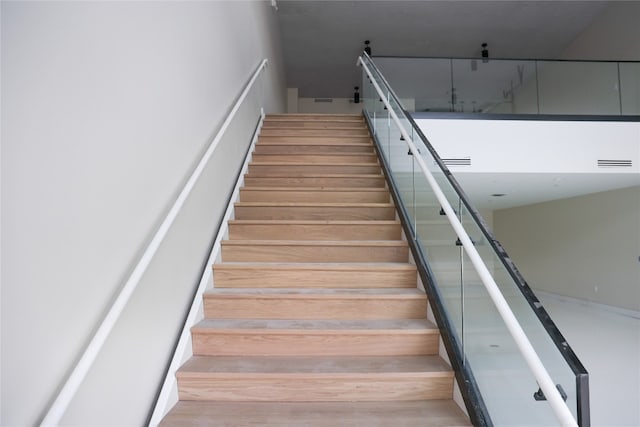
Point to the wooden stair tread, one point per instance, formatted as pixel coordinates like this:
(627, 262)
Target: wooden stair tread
(303, 163)
(328, 293)
(314, 204)
(375, 222)
(314, 143)
(434, 413)
(285, 125)
(348, 243)
(319, 365)
(319, 189)
(365, 275)
(322, 175)
(355, 266)
(313, 116)
(277, 326)
(278, 131)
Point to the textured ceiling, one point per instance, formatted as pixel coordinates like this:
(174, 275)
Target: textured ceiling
(321, 39)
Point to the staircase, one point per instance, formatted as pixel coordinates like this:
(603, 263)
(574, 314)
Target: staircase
(316, 318)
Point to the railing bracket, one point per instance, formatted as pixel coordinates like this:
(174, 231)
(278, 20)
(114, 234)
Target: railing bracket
(539, 395)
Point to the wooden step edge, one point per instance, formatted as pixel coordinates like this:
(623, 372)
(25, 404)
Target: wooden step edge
(314, 116)
(319, 118)
(320, 189)
(204, 330)
(323, 175)
(306, 164)
(302, 138)
(314, 204)
(351, 266)
(316, 143)
(330, 156)
(372, 222)
(312, 375)
(246, 293)
(328, 128)
(342, 243)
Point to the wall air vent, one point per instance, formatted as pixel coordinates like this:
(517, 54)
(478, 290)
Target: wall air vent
(607, 163)
(323, 100)
(457, 161)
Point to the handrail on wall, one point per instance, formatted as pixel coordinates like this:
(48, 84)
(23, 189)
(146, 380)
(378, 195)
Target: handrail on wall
(73, 382)
(559, 407)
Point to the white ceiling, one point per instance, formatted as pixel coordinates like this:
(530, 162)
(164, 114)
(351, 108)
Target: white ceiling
(521, 189)
(322, 39)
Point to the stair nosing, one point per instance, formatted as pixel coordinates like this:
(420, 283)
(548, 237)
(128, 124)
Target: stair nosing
(355, 266)
(346, 243)
(316, 204)
(318, 189)
(315, 222)
(279, 325)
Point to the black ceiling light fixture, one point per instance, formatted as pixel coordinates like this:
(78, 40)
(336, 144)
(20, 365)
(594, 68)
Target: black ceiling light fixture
(485, 52)
(367, 48)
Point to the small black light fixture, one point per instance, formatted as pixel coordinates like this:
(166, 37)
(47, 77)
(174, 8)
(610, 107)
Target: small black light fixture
(367, 48)
(356, 95)
(485, 52)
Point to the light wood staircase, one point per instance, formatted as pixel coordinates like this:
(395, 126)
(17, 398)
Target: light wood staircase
(316, 318)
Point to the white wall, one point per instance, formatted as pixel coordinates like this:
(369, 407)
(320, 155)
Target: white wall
(539, 146)
(585, 247)
(336, 106)
(614, 35)
(106, 108)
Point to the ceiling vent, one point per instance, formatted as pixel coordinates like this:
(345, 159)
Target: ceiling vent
(604, 163)
(457, 161)
(323, 100)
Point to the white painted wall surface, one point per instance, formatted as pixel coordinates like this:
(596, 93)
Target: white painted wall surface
(614, 35)
(536, 146)
(106, 108)
(585, 247)
(336, 106)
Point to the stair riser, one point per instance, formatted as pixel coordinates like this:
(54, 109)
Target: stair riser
(258, 169)
(253, 278)
(314, 232)
(268, 131)
(315, 158)
(315, 253)
(315, 139)
(310, 308)
(364, 388)
(315, 343)
(316, 181)
(312, 149)
(248, 195)
(314, 213)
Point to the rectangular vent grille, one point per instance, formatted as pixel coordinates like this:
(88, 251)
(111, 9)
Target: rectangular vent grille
(323, 100)
(457, 161)
(614, 163)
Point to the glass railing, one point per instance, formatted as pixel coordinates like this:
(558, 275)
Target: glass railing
(499, 381)
(505, 86)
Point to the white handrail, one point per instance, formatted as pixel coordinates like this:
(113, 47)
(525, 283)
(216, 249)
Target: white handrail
(73, 382)
(559, 407)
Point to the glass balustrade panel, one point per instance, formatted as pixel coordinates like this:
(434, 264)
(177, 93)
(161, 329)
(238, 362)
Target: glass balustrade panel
(630, 88)
(494, 86)
(589, 88)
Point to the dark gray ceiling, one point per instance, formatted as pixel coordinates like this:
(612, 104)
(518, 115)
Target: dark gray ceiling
(322, 39)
